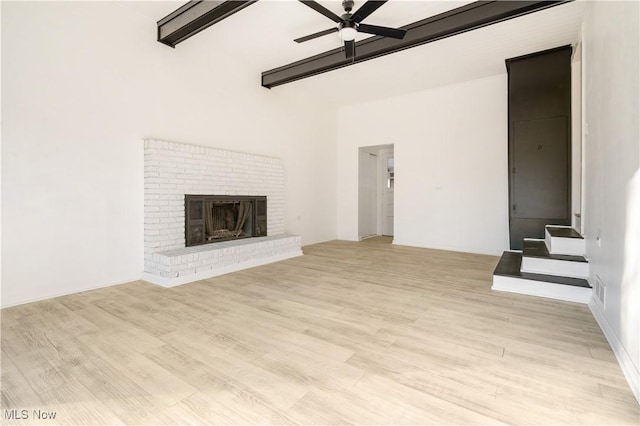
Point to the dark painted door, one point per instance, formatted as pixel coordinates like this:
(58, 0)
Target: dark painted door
(539, 143)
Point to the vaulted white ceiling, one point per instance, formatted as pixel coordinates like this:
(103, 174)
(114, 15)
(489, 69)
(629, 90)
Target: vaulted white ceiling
(261, 37)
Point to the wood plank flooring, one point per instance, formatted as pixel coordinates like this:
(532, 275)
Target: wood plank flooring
(362, 333)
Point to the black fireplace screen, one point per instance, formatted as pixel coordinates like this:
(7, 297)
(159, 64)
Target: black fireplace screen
(215, 218)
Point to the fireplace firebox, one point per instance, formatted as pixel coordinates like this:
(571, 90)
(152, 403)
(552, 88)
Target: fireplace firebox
(216, 218)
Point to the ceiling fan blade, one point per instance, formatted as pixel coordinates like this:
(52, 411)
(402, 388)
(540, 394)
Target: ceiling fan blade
(316, 35)
(321, 9)
(382, 31)
(367, 9)
(350, 49)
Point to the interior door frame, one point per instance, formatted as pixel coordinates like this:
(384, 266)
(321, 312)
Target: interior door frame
(368, 172)
(379, 178)
(577, 135)
(383, 154)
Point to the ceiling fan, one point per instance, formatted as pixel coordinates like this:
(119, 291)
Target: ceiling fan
(350, 24)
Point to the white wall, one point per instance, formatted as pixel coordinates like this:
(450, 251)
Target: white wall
(612, 181)
(83, 84)
(451, 189)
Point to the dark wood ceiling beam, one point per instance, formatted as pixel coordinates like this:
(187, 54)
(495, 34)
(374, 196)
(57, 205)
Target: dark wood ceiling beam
(466, 18)
(194, 17)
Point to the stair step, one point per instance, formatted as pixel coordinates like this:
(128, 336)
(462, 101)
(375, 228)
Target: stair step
(538, 248)
(564, 240)
(563, 232)
(510, 263)
(508, 277)
(536, 259)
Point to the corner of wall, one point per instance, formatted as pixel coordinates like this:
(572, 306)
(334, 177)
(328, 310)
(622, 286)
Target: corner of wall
(630, 371)
(611, 189)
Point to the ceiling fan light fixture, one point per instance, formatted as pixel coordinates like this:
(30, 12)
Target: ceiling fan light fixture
(350, 24)
(348, 32)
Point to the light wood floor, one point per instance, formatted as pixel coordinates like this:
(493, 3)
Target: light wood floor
(366, 333)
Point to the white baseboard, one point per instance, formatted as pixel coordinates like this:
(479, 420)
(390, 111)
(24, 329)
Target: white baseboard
(210, 273)
(165, 282)
(630, 371)
(67, 293)
(407, 243)
(542, 289)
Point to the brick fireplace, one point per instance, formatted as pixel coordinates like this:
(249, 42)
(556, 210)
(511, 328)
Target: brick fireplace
(173, 171)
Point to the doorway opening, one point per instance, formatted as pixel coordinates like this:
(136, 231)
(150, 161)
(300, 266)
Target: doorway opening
(376, 184)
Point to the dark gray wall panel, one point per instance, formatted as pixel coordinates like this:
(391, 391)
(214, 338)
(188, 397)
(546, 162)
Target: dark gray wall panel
(539, 143)
(540, 161)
